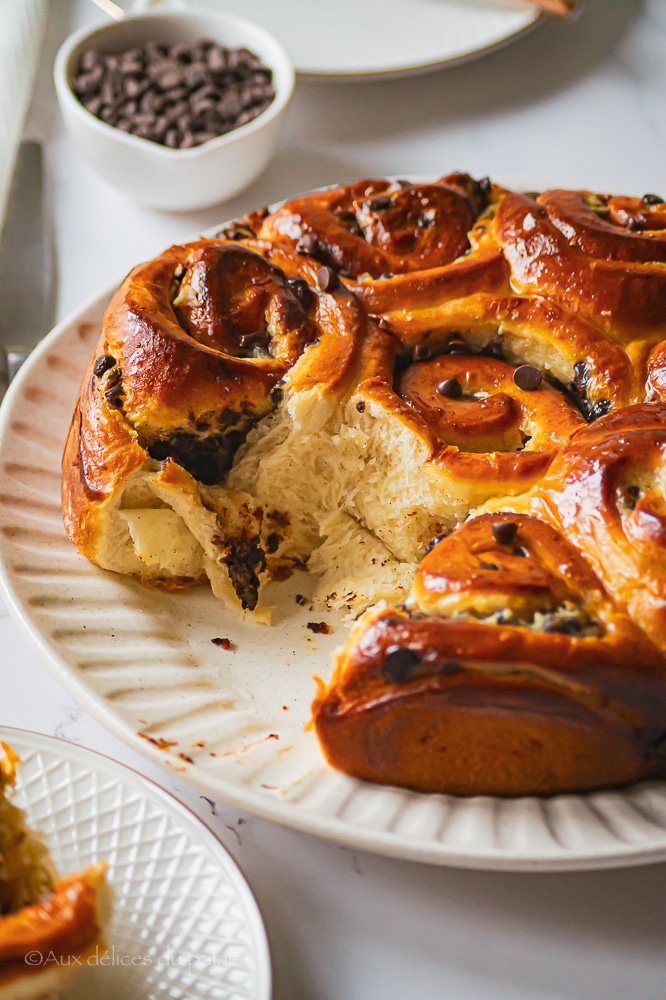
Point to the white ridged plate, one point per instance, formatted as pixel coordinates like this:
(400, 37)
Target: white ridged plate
(185, 924)
(232, 722)
(371, 39)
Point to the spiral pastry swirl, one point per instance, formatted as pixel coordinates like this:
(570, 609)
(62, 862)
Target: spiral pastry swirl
(449, 429)
(606, 492)
(598, 256)
(458, 694)
(375, 227)
(197, 347)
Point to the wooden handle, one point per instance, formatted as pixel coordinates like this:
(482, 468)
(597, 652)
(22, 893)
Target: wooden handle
(561, 7)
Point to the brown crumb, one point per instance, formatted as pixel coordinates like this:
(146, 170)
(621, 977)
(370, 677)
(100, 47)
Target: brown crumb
(322, 627)
(158, 741)
(222, 641)
(183, 756)
(199, 743)
(301, 599)
(285, 708)
(272, 736)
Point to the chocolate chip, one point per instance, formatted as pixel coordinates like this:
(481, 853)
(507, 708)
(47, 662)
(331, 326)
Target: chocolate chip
(495, 349)
(398, 663)
(600, 409)
(487, 565)
(520, 552)
(272, 542)
(259, 340)
(327, 279)
(276, 394)
(421, 353)
(527, 377)
(203, 91)
(245, 561)
(301, 290)
(301, 599)
(581, 377)
(228, 418)
(652, 199)
(456, 345)
(308, 243)
(102, 364)
(360, 406)
(504, 532)
(633, 491)
(379, 203)
(113, 394)
(450, 387)
(205, 458)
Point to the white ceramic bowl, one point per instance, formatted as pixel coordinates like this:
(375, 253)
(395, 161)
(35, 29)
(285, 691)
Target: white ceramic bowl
(154, 175)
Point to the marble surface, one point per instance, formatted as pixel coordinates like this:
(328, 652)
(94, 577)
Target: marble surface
(581, 104)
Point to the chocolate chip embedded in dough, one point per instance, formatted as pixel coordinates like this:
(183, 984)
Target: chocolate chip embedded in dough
(449, 387)
(308, 243)
(327, 279)
(527, 377)
(380, 203)
(421, 353)
(504, 532)
(600, 409)
(103, 363)
(301, 290)
(398, 663)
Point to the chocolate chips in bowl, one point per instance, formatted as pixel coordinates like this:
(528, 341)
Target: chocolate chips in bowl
(179, 109)
(177, 95)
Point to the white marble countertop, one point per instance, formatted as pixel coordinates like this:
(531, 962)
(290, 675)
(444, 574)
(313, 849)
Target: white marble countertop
(580, 104)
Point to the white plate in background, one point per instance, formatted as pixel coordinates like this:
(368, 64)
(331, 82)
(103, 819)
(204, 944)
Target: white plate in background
(232, 722)
(377, 38)
(185, 924)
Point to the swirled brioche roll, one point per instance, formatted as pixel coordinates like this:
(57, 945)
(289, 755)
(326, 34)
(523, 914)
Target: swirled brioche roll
(41, 912)
(600, 256)
(443, 430)
(196, 348)
(376, 227)
(509, 672)
(606, 491)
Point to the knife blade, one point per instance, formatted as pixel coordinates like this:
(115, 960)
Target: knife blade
(27, 285)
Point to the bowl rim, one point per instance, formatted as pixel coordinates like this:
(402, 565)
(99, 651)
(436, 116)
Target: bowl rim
(75, 41)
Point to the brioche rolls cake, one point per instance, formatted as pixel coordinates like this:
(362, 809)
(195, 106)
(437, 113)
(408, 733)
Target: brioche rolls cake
(61, 918)
(447, 401)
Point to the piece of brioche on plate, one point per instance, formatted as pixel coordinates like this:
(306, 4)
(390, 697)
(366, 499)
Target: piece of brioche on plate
(47, 922)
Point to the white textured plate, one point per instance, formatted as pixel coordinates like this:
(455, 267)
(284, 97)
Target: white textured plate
(376, 38)
(185, 924)
(233, 722)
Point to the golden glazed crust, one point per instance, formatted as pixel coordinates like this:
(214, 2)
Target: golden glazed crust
(446, 396)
